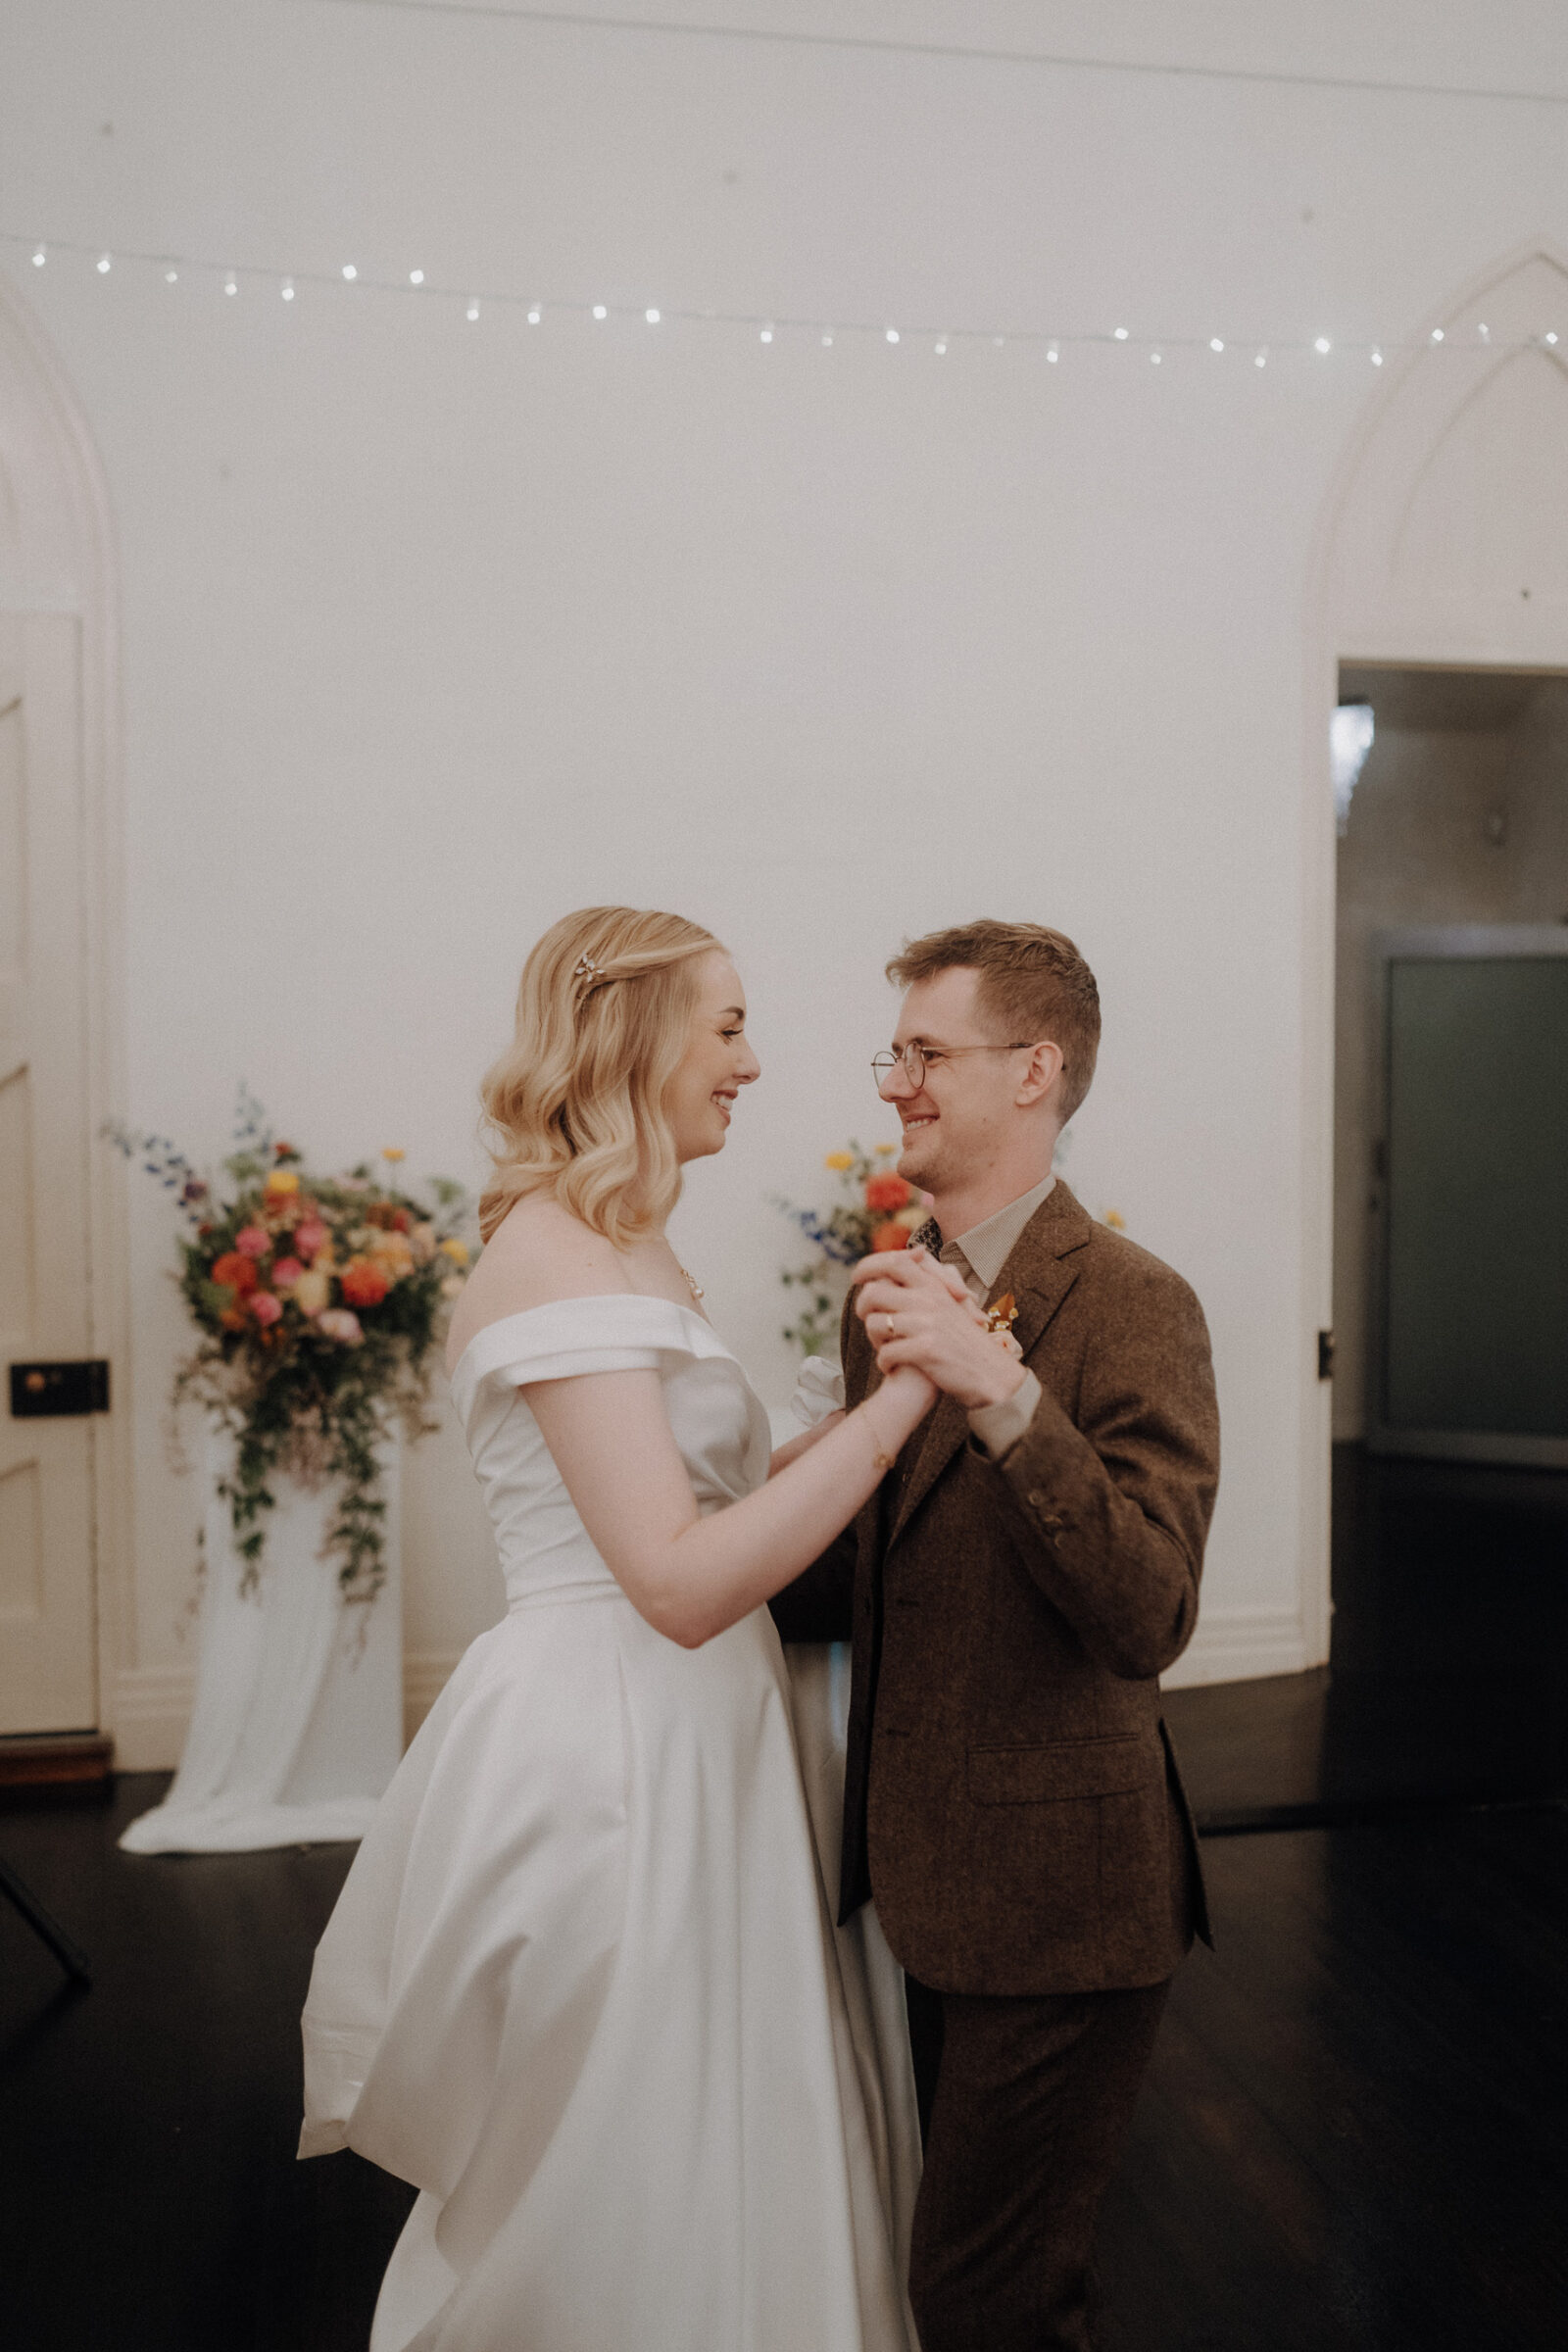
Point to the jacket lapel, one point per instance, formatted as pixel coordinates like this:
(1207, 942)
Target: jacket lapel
(1040, 1272)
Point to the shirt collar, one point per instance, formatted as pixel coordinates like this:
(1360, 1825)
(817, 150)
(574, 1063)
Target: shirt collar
(987, 1247)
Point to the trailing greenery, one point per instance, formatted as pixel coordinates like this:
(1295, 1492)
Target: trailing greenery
(319, 1301)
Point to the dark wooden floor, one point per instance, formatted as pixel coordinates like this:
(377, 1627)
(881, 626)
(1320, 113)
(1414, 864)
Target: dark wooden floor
(1352, 2139)
(1449, 1671)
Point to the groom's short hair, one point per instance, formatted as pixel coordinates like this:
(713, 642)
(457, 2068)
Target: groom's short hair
(1033, 982)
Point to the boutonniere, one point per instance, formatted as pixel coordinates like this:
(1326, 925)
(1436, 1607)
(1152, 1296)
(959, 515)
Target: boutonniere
(1000, 1317)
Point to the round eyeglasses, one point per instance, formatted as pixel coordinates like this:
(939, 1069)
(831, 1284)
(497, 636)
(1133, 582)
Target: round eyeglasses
(917, 1060)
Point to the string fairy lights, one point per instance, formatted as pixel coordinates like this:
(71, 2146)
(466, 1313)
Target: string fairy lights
(415, 285)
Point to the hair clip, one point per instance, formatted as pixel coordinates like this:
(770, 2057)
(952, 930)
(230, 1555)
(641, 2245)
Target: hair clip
(586, 970)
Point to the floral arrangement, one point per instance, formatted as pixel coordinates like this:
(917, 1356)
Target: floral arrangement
(878, 1209)
(319, 1301)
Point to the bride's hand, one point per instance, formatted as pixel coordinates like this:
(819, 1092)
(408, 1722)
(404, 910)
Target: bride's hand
(913, 1318)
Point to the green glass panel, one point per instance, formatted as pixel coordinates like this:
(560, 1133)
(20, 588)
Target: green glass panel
(1476, 1325)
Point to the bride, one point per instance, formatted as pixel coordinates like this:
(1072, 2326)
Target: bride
(583, 1986)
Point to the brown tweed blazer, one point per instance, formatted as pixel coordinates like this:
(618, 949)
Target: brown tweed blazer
(1011, 1794)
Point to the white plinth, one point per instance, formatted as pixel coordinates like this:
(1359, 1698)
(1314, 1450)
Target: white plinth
(298, 1721)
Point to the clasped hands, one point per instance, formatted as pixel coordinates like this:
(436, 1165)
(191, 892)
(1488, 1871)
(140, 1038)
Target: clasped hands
(916, 1311)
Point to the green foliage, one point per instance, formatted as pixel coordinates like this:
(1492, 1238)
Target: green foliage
(319, 1302)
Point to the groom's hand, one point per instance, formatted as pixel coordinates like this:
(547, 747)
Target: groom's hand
(916, 1311)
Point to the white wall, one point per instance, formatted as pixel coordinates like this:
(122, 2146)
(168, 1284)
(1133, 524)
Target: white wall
(432, 631)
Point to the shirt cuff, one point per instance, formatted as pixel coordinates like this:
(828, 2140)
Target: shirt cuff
(996, 1427)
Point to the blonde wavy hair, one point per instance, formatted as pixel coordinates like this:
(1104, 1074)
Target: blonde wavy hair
(575, 1105)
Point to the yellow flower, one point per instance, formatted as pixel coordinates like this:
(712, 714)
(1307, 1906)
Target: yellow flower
(393, 1152)
(456, 1251)
(884, 1148)
(839, 1160)
(393, 1253)
(1115, 1221)
(312, 1290)
(914, 1216)
(282, 1180)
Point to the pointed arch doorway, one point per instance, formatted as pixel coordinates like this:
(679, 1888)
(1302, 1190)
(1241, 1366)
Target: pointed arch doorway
(65, 1486)
(1442, 594)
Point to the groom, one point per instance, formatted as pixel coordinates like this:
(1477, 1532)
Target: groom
(1028, 1568)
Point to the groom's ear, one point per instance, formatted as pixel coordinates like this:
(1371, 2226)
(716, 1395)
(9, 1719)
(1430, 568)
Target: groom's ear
(1041, 1073)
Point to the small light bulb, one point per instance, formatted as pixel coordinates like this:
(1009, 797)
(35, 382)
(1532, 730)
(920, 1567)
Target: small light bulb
(1437, 334)
(104, 265)
(230, 284)
(1261, 359)
(1485, 333)
(171, 278)
(941, 350)
(652, 318)
(1323, 345)
(1157, 358)
(997, 341)
(39, 258)
(893, 334)
(827, 342)
(350, 272)
(473, 311)
(1216, 343)
(1548, 338)
(1377, 359)
(288, 289)
(415, 277)
(1121, 334)
(534, 315)
(767, 335)
(600, 311)
(1052, 354)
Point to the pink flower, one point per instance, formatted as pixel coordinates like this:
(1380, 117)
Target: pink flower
(264, 1307)
(253, 1241)
(286, 1273)
(340, 1324)
(308, 1235)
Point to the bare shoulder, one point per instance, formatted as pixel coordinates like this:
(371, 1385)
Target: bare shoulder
(538, 1252)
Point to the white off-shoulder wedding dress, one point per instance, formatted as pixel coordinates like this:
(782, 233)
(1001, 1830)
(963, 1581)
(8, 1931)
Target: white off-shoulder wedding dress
(582, 1987)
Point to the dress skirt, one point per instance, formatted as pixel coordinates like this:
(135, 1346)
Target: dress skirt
(584, 1991)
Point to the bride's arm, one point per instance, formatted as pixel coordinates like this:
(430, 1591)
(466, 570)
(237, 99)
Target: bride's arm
(793, 1447)
(692, 1577)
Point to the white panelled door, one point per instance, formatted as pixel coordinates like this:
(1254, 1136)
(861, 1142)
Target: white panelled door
(48, 1681)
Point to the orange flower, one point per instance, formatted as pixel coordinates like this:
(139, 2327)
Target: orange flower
(362, 1284)
(240, 1273)
(886, 1192)
(890, 1236)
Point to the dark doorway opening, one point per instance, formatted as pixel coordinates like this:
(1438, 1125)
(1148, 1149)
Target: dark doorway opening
(1447, 1682)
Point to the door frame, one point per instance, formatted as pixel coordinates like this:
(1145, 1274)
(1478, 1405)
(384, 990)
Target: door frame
(56, 555)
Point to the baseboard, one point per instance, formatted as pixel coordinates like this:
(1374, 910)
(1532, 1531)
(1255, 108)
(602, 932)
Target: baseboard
(153, 1704)
(424, 1678)
(152, 1707)
(55, 1760)
(1241, 1646)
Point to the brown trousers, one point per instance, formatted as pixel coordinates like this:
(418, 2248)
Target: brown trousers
(1024, 2106)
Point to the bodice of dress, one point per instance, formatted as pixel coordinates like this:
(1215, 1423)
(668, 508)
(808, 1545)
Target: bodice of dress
(718, 1423)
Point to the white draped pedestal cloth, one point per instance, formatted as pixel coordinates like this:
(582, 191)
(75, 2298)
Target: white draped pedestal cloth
(298, 1721)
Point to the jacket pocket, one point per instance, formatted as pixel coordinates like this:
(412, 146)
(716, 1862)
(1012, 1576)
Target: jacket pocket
(1062, 1769)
